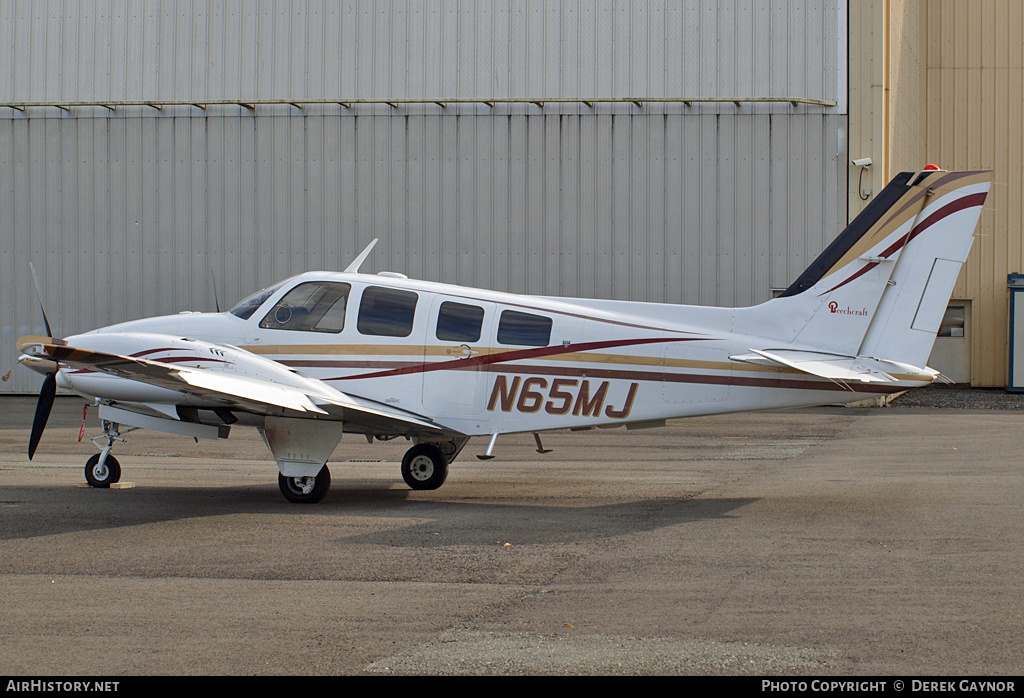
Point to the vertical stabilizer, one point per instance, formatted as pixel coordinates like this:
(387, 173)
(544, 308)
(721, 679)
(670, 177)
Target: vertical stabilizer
(931, 255)
(881, 288)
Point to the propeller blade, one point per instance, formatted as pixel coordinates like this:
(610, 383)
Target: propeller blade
(39, 295)
(43, 407)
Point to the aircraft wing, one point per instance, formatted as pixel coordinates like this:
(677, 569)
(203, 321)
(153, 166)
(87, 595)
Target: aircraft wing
(241, 390)
(836, 367)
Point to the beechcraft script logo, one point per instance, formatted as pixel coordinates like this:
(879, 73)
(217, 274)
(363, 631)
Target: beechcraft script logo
(560, 396)
(834, 308)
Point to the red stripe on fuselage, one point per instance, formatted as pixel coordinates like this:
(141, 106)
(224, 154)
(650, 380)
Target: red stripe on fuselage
(513, 355)
(792, 383)
(668, 376)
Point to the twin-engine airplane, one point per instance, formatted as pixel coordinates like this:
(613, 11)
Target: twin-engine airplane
(325, 353)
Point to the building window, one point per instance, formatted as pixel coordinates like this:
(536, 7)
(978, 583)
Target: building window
(954, 322)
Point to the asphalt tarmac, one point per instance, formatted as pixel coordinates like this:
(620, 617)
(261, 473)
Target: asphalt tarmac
(824, 542)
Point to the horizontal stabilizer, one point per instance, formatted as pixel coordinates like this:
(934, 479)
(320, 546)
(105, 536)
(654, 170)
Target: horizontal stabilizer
(837, 367)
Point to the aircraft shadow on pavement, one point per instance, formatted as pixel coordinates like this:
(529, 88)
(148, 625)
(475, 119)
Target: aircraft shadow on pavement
(482, 523)
(32, 512)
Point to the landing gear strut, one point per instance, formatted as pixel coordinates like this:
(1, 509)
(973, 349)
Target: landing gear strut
(102, 469)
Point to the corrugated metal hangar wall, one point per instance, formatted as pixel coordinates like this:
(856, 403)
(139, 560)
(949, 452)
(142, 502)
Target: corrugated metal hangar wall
(128, 210)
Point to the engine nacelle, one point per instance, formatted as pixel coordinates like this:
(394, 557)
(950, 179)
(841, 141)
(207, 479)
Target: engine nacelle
(164, 349)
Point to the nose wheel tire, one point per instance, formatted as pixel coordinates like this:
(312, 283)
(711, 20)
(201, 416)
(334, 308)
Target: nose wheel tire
(424, 467)
(305, 490)
(104, 475)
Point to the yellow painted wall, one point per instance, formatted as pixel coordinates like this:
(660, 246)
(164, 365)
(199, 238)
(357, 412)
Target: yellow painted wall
(956, 96)
(867, 100)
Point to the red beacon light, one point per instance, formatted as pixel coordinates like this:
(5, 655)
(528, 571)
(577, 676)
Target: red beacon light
(932, 168)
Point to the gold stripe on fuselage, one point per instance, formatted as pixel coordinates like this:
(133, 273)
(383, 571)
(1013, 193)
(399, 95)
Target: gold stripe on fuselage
(412, 351)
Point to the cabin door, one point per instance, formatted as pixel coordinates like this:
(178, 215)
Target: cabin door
(459, 336)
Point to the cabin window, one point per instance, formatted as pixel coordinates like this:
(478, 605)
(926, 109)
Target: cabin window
(315, 306)
(387, 312)
(458, 322)
(246, 307)
(524, 329)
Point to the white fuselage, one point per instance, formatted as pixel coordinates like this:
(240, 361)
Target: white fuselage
(476, 361)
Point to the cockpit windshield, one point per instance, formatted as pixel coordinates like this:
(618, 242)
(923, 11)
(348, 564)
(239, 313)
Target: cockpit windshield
(314, 306)
(246, 307)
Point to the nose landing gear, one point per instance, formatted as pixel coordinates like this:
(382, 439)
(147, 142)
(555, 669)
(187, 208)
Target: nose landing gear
(100, 472)
(102, 469)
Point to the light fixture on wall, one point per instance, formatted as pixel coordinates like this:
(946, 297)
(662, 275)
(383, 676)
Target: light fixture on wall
(862, 164)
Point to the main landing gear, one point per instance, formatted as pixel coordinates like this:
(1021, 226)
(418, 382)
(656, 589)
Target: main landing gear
(424, 467)
(305, 490)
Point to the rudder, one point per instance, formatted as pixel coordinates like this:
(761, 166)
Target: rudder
(929, 262)
(880, 289)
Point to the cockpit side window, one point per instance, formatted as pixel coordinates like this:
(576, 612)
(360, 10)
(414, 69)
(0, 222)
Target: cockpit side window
(247, 306)
(386, 312)
(314, 306)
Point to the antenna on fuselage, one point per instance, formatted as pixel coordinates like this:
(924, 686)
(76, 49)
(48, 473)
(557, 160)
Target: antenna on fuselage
(354, 266)
(39, 297)
(213, 283)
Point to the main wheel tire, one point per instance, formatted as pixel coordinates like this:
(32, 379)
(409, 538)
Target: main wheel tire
(102, 475)
(305, 490)
(424, 467)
